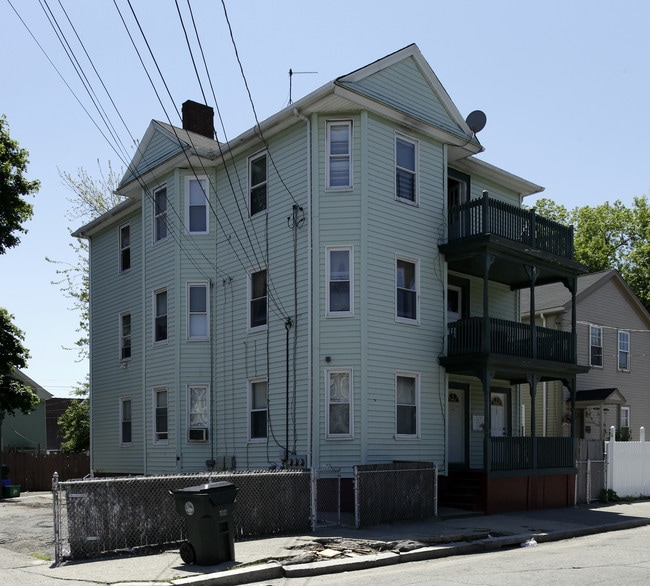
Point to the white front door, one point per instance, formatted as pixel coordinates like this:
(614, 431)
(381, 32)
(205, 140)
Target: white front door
(456, 404)
(498, 414)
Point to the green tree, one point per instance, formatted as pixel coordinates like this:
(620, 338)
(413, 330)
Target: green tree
(14, 209)
(14, 395)
(610, 236)
(74, 423)
(14, 212)
(90, 198)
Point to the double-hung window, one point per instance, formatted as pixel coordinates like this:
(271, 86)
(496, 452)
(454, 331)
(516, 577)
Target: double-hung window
(196, 190)
(406, 289)
(406, 401)
(595, 346)
(198, 405)
(339, 154)
(257, 299)
(406, 169)
(340, 290)
(125, 247)
(126, 421)
(160, 315)
(257, 425)
(623, 350)
(625, 417)
(125, 335)
(160, 429)
(257, 184)
(197, 311)
(160, 214)
(339, 403)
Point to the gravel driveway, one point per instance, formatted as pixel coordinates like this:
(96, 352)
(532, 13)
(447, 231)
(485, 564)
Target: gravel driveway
(27, 524)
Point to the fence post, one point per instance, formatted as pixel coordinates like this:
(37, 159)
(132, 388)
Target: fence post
(588, 487)
(357, 504)
(435, 490)
(642, 434)
(56, 511)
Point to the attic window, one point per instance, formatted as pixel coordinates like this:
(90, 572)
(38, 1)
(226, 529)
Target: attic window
(339, 154)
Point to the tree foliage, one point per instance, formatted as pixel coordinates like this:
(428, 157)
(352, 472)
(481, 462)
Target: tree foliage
(14, 209)
(14, 395)
(610, 236)
(91, 197)
(74, 423)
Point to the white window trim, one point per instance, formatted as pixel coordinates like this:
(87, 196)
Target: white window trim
(416, 155)
(328, 186)
(336, 436)
(626, 409)
(122, 248)
(416, 435)
(251, 382)
(203, 179)
(154, 316)
(156, 441)
(416, 261)
(249, 300)
(124, 444)
(155, 216)
(121, 335)
(206, 387)
(628, 351)
(328, 311)
(206, 286)
(602, 350)
(251, 186)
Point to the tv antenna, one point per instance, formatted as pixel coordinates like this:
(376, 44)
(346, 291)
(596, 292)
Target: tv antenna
(291, 74)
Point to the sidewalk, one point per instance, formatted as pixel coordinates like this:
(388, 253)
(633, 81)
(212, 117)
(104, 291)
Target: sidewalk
(265, 559)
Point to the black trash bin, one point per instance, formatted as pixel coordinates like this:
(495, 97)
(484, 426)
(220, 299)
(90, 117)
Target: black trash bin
(208, 510)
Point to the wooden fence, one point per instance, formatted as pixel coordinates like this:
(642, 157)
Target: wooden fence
(34, 471)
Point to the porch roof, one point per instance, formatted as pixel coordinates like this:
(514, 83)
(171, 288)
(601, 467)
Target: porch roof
(592, 397)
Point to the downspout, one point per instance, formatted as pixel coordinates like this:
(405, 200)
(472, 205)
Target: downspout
(310, 386)
(145, 394)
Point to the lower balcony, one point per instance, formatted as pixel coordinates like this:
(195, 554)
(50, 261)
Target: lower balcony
(476, 335)
(530, 454)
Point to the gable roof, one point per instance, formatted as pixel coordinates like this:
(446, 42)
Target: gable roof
(43, 395)
(556, 297)
(598, 396)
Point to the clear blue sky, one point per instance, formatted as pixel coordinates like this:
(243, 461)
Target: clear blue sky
(565, 86)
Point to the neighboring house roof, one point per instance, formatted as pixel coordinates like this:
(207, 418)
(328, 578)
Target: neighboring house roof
(598, 396)
(43, 395)
(556, 297)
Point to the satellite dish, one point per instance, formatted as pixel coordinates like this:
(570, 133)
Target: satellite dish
(476, 121)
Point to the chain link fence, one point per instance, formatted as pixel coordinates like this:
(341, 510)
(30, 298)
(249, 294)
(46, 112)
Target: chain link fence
(115, 514)
(590, 471)
(326, 497)
(391, 492)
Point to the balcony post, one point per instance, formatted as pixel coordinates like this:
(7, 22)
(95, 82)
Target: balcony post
(532, 275)
(533, 229)
(533, 379)
(486, 212)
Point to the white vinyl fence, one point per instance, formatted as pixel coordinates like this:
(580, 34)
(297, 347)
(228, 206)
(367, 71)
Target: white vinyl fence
(628, 466)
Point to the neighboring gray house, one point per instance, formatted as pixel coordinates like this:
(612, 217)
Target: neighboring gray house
(614, 339)
(27, 432)
(335, 286)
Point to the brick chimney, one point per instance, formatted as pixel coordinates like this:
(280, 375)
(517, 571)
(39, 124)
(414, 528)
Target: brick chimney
(198, 118)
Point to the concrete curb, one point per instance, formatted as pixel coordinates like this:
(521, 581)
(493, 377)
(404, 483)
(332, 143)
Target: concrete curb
(271, 571)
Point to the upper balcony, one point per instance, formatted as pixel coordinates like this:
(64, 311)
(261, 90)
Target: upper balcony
(514, 238)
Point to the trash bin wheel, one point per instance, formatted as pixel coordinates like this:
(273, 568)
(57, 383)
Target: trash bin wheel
(188, 555)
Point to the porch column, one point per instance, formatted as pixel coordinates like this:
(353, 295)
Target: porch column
(533, 379)
(571, 283)
(488, 259)
(532, 275)
(486, 379)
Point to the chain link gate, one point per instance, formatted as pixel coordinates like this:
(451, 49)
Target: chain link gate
(326, 497)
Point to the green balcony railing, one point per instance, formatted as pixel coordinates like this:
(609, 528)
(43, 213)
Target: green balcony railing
(516, 453)
(480, 217)
(466, 336)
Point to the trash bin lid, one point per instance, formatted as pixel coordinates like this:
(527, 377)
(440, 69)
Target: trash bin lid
(207, 488)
